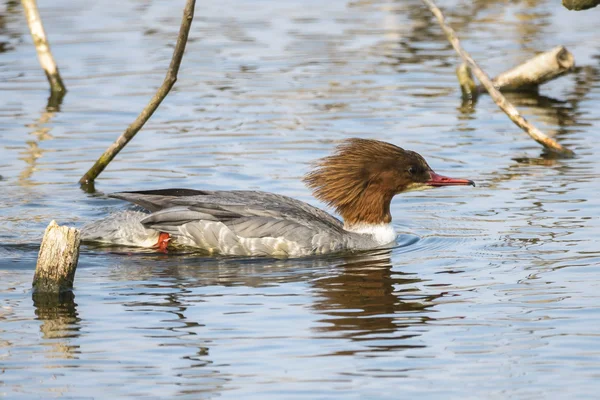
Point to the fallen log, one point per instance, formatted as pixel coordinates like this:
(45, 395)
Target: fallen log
(525, 77)
(534, 72)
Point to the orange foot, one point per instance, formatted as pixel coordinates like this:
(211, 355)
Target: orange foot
(163, 242)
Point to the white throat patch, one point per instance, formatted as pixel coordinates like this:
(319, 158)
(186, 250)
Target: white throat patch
(382, 233)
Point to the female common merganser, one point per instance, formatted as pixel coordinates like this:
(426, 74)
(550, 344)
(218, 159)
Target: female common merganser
(359, 180)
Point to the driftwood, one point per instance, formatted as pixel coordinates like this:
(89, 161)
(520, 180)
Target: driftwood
(170, 79)
(534, 72)
(578, 5)
(525, 77)
(57, 260)
(512, 113)
(42, 47)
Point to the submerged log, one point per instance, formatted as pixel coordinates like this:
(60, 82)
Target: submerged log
(57, 260)
(578, 5)
(42, 47)
(536, 71)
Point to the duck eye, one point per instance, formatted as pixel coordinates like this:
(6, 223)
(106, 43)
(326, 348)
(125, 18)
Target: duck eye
(411, 170)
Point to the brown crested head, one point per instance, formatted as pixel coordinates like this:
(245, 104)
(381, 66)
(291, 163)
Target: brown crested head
(363, 175)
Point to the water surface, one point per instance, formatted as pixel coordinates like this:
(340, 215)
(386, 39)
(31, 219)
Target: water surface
(492, 291)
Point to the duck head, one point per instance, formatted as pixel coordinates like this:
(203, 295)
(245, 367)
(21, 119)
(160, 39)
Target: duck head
(363, 175)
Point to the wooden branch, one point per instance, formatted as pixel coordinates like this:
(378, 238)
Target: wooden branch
(578, 5)
(42, 47)
(57, 260)
(170, 79)
(512, 113)
(536, 71)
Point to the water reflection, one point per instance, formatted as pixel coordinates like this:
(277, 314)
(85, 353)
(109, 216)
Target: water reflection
(358, 297)
(414, 45)
(60, 324)
(40, 132)
(365, 301)
(13, 11)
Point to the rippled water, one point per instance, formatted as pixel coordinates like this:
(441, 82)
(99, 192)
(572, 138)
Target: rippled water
(492, 292)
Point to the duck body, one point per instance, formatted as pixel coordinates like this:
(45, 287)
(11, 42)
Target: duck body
(238, 222)
(359, 180)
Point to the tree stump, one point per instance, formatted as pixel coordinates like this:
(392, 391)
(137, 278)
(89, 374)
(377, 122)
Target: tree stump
(57, 260)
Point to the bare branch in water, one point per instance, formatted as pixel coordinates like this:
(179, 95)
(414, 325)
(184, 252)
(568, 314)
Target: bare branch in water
(170, 79)
(42, 47)
(499, 99)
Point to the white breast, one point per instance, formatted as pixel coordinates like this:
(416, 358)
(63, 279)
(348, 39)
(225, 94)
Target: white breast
(381, 233)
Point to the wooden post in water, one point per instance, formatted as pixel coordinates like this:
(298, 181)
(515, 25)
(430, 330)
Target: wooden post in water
(57, 259)
(42, 47)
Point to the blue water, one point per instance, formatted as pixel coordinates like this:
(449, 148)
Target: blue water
(492, 292)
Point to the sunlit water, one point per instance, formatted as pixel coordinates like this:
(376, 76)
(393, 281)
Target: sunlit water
(492, 292)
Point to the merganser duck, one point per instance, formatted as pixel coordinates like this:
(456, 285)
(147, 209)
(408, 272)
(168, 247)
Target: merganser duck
(359, 181)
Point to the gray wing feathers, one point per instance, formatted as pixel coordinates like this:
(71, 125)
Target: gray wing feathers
(270, 227)
(176, 216)
(227, 205)
(150, 203)
(238, 222)
(172, 220)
